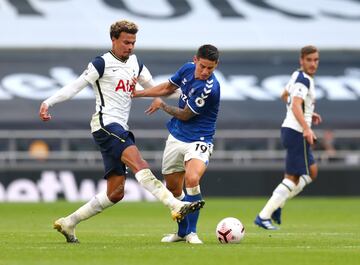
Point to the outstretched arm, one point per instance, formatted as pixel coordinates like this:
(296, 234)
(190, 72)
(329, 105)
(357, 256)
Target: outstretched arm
(181, 114)
(63, 94)
(163, 89)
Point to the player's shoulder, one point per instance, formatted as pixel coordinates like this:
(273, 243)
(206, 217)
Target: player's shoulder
(212, 83)
(187, 67)
(302, 78)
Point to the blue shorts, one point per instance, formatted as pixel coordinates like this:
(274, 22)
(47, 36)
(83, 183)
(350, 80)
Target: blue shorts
(113, 139)
(299, 156)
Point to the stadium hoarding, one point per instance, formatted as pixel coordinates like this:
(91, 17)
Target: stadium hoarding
(183, 24)
(81, 185)
(251, 83)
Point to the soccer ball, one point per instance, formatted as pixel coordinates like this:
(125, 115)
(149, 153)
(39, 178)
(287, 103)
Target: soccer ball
(230, 230)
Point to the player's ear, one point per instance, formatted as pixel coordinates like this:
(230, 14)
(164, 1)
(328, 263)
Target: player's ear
(195, 59)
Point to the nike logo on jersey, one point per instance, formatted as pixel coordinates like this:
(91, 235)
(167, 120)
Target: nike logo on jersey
(114, 70)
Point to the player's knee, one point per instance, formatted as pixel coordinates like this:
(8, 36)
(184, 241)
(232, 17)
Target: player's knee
(313, 172)
(116, 197)
(139, 165)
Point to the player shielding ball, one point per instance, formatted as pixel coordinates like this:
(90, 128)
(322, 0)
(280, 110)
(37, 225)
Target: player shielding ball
(192, 129)
(111, 76)
(297, 137)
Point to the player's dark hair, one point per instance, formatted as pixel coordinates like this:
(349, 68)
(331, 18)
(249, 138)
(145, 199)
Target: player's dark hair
(122, 26)
(309, 49)
(208, 52)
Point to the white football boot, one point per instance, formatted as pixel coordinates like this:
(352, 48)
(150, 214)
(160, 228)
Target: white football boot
(193, 238)
(170, 238)
(67, 230)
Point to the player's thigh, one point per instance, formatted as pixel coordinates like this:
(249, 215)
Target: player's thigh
(173, 156)
(298, 153)
(197, 158)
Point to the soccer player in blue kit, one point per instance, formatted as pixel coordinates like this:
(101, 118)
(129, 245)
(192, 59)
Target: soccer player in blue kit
(112, 77)
(192, 128)
(297, 137)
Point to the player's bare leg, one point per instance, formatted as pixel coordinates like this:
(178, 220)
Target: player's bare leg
(132, 158)
(103, 200)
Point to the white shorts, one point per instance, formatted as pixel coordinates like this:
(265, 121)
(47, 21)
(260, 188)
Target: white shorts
(176, 153)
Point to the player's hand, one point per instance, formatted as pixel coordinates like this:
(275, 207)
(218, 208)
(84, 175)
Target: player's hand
(154, 106)
(309, 136)
(316, 118)
(44, 112)
(133, 83)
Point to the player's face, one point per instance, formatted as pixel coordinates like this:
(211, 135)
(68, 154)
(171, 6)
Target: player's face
(310, 63)
(204, 68)
(124, 45)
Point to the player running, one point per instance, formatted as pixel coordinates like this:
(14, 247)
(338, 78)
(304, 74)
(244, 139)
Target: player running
(296, 136)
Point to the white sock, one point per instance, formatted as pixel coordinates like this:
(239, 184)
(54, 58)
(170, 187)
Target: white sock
(303, 181)
(279, 196)
(147, 179)
(181, 197)
(96, 205)
(193, 191)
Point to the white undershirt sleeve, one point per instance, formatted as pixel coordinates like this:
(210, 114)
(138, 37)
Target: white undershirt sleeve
(148, 84)
(67, 91)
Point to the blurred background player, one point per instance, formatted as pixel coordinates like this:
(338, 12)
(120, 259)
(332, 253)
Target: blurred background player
(192, 128)
(297, 137)
(111, 76)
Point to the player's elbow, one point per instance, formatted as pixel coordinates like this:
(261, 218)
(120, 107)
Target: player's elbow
(184, 117)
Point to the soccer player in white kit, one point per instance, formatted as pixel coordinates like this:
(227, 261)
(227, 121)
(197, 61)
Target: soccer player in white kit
(296, 136)
(112, 77)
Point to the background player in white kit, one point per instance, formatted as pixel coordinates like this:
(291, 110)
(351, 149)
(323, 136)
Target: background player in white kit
(296, 136)
(111, 76)
(192, 128)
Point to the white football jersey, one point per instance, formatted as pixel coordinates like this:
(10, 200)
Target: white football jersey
(111, 80)
(300, 85)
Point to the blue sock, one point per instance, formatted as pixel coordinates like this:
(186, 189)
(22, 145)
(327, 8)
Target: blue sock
(193, 217)
(183, 225)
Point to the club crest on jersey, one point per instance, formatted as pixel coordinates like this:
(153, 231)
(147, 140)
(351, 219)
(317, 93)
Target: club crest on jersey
(200, 101)
(125, 86)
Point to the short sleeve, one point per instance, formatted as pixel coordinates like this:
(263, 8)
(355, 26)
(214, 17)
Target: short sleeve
(90, 74)
(299, 90)
(301, 86)
(145, 76)
(200, 101)
(177, 77)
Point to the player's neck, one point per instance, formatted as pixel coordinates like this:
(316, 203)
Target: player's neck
(122, 59)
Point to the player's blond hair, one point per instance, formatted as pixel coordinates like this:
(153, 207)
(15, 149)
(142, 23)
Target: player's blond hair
(122, 26)
(309, 49)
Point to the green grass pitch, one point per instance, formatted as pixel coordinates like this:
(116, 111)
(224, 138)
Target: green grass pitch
(314, 231)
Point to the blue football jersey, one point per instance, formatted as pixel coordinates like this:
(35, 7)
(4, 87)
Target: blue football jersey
(203, 98)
